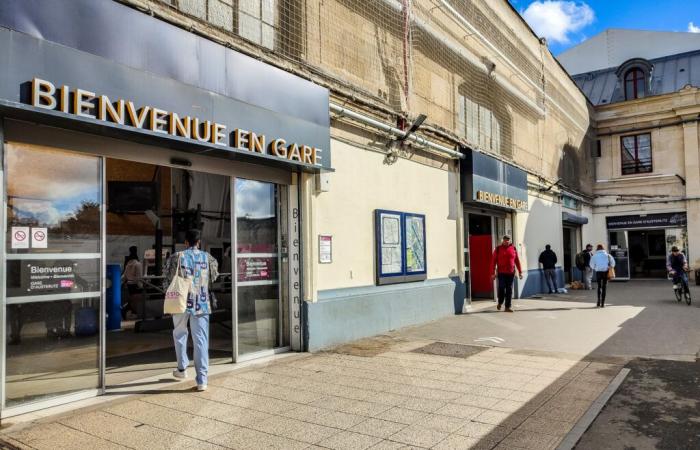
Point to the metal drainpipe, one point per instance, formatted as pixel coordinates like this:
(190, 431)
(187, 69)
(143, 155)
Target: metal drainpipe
(394, 131)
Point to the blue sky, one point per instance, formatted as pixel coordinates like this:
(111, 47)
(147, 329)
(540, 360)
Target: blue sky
(566, 23)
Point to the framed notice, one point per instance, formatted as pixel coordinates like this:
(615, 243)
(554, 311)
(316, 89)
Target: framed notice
(400, 247)
(325, 249)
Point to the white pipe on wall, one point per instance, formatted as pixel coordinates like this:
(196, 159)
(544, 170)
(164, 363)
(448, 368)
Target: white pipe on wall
(445, 151)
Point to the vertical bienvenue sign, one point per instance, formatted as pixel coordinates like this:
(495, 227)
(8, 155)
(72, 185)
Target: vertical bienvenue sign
(294, 265)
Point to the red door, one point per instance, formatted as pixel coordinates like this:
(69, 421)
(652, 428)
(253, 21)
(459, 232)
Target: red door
(480, 250)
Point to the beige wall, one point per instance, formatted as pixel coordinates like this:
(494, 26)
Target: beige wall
(357, 50)
(362, 183)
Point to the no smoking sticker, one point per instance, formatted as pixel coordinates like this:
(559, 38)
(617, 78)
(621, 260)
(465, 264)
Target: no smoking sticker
(39, 238)
(20, 237)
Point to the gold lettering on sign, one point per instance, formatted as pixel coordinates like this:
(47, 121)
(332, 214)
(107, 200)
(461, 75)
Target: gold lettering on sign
(43, 94)
(217, 134)
(500, 200)
(256, 143)
(158, 122)
(293, 153)
(279, 148)
(240, 138)
(182, 127)
(83, 103)
(64, 99)
(137, 118)
(105, 107)
(201, 132)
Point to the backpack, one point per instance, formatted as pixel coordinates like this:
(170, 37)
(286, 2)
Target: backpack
(580, 261)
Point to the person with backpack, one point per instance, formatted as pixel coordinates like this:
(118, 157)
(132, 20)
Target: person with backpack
(602, 264)
(548, 259)
(199, 268)
(503, 264)
(583, 263)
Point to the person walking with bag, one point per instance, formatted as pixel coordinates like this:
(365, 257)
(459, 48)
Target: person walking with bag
(189, 274)
(603, 265)
(503, 264)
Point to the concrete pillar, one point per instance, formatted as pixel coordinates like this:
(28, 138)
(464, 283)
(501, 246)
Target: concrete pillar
(691, 147)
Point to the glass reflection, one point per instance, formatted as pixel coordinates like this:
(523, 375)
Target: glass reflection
(56, 190)
(52, 349)
(257, 266)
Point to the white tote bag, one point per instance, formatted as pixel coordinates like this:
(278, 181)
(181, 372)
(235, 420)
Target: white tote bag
(177, 292)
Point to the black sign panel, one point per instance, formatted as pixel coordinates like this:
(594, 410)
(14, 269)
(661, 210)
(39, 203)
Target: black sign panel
(52, 276)
(662, 220)
(491, 181)
(105, 48)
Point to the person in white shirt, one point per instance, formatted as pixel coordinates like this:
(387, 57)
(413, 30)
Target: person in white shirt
(601, 262)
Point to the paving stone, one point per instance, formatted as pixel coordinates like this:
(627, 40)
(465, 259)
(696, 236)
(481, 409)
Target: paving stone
(295, 429)
(419, 436)
(348, 440)
(457, 442)
(402, 415)
(130, 433)
(530, 440)
(56, 436)
(492, 417)
(546, 426)
(460, 411)
(378, 428)
(479, 401)
(423, 404)
(509, 406)
(207, 408)
(484, 430)
(447, 424)
(245, 438)
(325, 417)
(172, 420)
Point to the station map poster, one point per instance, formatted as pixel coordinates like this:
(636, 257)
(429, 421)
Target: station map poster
(400, 247)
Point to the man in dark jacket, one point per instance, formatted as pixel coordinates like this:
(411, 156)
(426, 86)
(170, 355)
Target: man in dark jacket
(503, 264)
(548, 259)
(583, 263)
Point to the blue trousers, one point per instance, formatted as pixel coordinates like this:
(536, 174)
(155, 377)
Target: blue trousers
(200, 340)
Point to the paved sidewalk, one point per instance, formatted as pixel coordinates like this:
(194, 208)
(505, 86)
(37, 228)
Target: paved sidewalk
(381, 393)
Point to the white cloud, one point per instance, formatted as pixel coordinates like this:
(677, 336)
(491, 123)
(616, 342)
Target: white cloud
(557, 19)
(692, 28)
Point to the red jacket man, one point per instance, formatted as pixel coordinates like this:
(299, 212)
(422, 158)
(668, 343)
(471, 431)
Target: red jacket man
(503, 264)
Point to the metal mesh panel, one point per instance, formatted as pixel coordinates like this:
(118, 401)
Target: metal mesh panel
(413, 56)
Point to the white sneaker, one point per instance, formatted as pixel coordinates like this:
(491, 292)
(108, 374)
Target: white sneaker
(180, 374)
(201, 387)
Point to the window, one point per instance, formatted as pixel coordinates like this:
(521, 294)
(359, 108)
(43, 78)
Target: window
(598, 149)
(479, 125)
(256, 21)
(400, 247)
(636, 154)
(635, 84)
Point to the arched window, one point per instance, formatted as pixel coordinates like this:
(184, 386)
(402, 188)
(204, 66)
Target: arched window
(635, 84)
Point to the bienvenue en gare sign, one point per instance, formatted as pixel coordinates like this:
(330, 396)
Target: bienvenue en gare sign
(84, 103)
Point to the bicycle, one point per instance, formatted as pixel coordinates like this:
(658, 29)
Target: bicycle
(680, 287)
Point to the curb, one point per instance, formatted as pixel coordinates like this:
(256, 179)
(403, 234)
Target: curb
(572, 438)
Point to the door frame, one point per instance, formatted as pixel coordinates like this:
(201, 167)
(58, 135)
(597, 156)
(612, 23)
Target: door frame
(62, 399)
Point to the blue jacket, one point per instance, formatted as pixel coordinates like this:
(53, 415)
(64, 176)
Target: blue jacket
(601, 261)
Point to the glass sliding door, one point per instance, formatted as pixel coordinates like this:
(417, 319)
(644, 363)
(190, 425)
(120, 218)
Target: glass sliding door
(53, 272)
(260, 312)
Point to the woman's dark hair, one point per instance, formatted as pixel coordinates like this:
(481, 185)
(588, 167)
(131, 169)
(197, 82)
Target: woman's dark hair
(600, 247)
(133, 254)
(193, 236)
